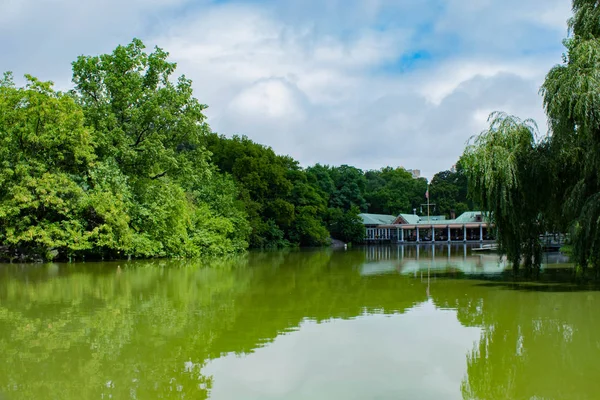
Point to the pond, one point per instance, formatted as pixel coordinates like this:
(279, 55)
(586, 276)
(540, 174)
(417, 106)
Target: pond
(367, 323)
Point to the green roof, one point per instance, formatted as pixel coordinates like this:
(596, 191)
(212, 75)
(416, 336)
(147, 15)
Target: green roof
(377, 219)
(466, 217)
(411, 219)
(432, 218)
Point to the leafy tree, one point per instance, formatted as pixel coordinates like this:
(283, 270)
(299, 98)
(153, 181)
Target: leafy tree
(349, 190)
(114, 168)
(284, 208)
(448, 190)
(571, 95)
(150, 128)
(342, 187)
(569, 159)
(320, 177)
(149, 124)
(346, 226)
(311, 207)
(46, 206)
(507, 176)
(394, 191)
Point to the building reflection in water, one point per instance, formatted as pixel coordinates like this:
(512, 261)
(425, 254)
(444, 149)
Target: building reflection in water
(410, 259)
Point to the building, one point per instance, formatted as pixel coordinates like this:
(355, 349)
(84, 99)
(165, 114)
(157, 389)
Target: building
(416, 173)
(372, 223)
(407, 228)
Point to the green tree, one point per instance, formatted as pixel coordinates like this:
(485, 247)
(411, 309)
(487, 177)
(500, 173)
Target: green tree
(507, 174)
(284, 207)
(349, 190)
(569, 159)
(394, 191)
(146, 121)
(571, 95)
(320, 177)
(149, 127)
(346, 226)
(47, 208)
(114, 168)
(448, 190)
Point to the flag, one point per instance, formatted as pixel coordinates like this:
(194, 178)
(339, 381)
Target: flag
(427, 194)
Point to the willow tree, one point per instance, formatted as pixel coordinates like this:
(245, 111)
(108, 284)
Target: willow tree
(527, 186)
(505, 167)
(571, 95)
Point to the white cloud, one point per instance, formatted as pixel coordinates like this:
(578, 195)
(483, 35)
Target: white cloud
(426, 361)
(271, 98)
(324, 81)
(448, 77)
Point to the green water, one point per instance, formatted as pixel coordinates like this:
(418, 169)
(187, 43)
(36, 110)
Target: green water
(378, 323)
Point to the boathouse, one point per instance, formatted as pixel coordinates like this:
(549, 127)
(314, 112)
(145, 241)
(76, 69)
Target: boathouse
(471, 226)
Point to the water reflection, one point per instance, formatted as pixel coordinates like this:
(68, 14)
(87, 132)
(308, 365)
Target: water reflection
(363, 358)
(384, 322)
(409, 259)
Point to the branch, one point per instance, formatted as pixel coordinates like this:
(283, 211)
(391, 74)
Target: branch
(94, 96)
(140, 137)
(159, 175)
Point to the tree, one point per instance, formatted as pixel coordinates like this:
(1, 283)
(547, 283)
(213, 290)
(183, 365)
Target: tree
(47, 208)
(150, 125)
(114, 168)
(149, 129)
(448, 190)
(505, 167)
(350, 185)
(346, 226)
(284, 208)
(393, 191)
(571, 94)
(569, 159)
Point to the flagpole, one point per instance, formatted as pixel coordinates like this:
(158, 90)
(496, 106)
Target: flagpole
(432, 230)
(428, 203)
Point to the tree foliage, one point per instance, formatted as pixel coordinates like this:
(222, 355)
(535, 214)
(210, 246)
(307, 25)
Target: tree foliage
(113, 168)
(449, 191)
(346, 226)
(506, 178)
(283, 207)
(125, 165)
(554, 184)
(571, 95)
(393, 191)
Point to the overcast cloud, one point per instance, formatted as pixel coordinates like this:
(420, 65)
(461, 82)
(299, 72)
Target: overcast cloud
(368, 83)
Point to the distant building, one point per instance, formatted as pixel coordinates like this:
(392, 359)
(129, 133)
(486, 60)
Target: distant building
(416, 173)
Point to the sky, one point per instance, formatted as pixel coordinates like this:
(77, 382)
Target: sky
(369, 83)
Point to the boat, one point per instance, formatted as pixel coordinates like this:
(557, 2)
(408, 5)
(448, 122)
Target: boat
(486, 248)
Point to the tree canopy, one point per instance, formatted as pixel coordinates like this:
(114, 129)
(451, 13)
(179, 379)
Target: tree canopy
(125, 165)
(113, 168)
(394, 190)
(507, 179)
(449, 191)
(517, 177)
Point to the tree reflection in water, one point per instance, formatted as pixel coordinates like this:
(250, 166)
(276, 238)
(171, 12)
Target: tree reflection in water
(146, 330)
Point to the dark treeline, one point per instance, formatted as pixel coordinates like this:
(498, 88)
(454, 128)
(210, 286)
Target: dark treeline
(534, 184)
(124, 165)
